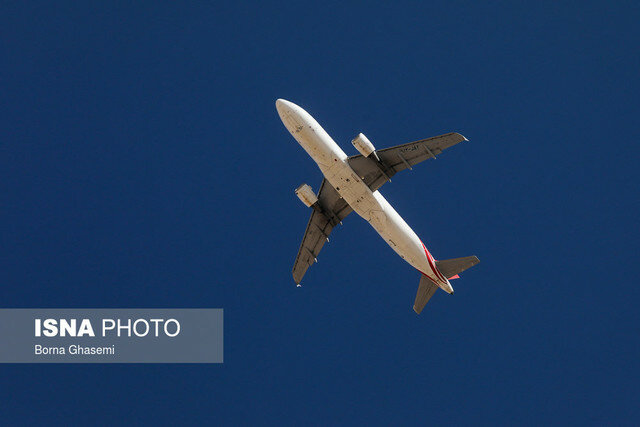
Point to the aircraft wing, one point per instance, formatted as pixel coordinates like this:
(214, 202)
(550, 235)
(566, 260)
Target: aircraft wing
(328, 212)
(392, 160)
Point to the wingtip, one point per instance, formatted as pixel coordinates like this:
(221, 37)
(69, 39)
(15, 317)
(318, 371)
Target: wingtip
(464, 138)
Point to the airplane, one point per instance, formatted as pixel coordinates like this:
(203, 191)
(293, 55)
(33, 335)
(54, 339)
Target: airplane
(351, 183)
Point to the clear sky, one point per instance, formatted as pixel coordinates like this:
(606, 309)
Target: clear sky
(143, 164)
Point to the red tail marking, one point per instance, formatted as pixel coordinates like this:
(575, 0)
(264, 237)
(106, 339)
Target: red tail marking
(432, 265)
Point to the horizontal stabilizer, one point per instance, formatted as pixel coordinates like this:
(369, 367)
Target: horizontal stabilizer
(451, 267)
(426, 289)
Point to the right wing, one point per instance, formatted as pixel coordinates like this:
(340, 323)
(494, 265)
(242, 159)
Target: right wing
(328, 212)
(395, 159)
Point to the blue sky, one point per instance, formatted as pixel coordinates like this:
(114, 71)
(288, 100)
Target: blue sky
(144, 165)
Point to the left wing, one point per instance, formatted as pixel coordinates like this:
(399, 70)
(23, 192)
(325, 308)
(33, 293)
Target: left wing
(392, 160)
(328, 211)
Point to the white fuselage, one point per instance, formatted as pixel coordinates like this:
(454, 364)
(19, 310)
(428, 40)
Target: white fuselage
(370, 205)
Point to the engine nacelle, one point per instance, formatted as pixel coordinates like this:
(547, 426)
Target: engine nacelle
(306, 195)
(363, 145)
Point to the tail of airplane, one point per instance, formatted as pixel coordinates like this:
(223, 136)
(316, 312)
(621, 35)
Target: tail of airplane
(450, 269)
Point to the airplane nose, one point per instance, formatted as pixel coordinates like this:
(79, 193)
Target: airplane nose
(282, 105)
(289, 113)
(293, 117)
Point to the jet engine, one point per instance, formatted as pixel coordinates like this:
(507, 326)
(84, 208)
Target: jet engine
(306, 195)
(364, 146)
